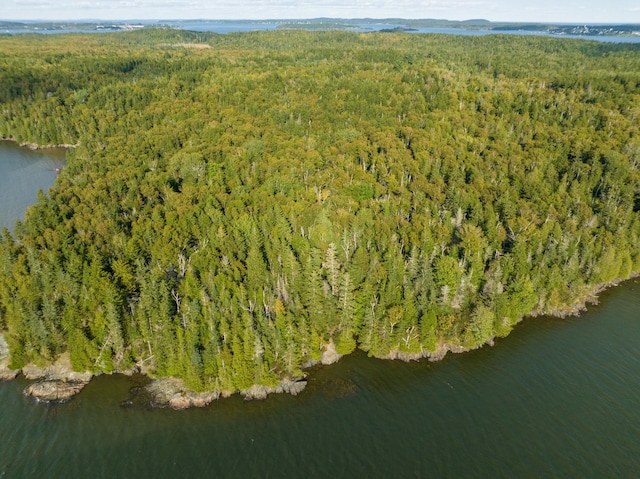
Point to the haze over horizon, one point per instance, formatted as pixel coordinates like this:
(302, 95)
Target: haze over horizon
(573, 11)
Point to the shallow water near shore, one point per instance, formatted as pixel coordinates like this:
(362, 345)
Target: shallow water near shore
(557, 398)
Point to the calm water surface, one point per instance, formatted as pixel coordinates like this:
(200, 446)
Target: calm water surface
(22, 173)
(557, 398)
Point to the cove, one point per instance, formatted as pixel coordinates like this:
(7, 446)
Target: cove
(22, 173)
(556, 398)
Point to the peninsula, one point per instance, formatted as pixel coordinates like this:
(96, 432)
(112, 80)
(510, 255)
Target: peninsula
(230, 215)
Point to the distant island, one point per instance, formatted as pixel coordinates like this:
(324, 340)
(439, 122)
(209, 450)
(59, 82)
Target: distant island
(51, 27)
(399, 24)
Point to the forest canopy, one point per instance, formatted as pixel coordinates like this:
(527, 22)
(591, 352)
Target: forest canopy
(236, 203)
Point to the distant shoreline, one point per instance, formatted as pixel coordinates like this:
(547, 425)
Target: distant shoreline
(622, 32)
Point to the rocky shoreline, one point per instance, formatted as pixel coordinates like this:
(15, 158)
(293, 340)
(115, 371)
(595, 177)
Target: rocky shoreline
(575, 309)
(58, 382)
(172, 393)
(442, 348)
(580, 305)
(36, 146)
(55, 383)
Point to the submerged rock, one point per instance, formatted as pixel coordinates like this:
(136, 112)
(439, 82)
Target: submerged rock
(339, 388)
(54, 390)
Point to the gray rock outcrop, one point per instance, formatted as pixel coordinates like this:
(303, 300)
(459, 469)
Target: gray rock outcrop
(57, 382)
(171, 392)
(288, 386)
(54, 389)
(7, 374)
(330, 355)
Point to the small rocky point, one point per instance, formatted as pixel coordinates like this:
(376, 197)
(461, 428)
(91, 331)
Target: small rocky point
(58, 382)
(172, 393)
(54, 390)
(288, 386)
(7, 374)
(330, 355)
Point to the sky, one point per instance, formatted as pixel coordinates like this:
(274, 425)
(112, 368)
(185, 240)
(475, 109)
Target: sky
(570, 11)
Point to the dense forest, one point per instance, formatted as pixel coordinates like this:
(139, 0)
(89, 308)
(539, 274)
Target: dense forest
(236, 203)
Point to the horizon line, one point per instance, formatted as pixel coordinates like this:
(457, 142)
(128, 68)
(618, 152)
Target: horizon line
(204, 19)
